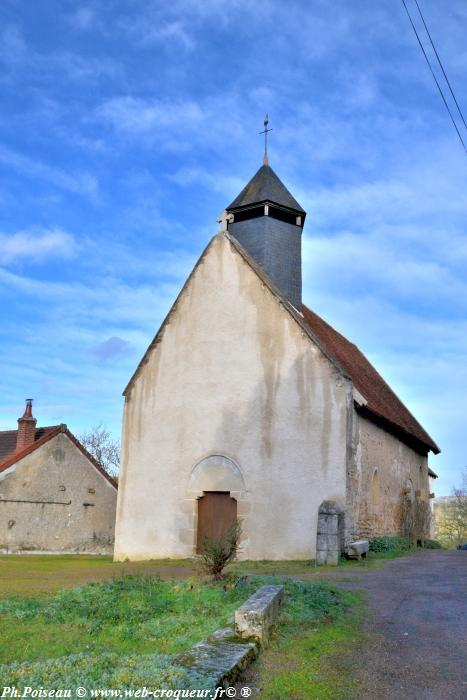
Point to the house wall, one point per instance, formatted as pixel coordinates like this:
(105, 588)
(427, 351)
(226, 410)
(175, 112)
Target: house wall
(234, 397)
(381, 468)
(54, 474)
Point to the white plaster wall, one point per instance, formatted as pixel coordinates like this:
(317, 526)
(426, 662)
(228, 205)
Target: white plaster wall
(233, 375)
(396, 463)
(56, 471)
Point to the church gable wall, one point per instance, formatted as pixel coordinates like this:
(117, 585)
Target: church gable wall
(234, 376)
(59, 477)
(383, 471)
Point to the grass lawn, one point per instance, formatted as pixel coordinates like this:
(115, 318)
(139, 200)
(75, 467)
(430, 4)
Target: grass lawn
(87, 621)
(35, 574)
(123, 630)
(308, 659)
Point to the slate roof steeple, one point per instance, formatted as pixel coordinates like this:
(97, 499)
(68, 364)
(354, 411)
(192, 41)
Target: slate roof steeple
(265, 186)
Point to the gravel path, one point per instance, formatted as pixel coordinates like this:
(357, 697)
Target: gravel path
(417, 628)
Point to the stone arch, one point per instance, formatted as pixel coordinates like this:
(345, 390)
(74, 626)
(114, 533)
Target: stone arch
(375, 491)
(216, 473)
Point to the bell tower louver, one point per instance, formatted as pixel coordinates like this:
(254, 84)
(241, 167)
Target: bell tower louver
(268, 222)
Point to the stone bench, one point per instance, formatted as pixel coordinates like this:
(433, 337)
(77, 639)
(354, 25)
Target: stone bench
(221, 658)
(358, 549)
(256, 616)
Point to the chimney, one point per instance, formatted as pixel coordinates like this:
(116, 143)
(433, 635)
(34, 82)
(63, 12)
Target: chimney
(26, 428)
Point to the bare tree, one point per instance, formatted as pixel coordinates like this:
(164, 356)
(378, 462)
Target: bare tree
(451, 516)
(101, 445)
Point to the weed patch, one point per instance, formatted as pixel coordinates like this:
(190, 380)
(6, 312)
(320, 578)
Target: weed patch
(390, 543)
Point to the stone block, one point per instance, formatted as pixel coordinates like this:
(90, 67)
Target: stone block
(256, 616)
(321, 542)
(332, 541)
(221, 658)
(358, 549)
(321, 556)
(332, 557)
(332, 525)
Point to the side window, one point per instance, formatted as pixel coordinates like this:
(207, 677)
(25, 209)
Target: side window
(409, 490)
(375, 491)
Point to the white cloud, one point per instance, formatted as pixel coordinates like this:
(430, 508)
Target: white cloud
(83, 18)
(79, 183)
(36, 245)
(13, 49)
(139, 116)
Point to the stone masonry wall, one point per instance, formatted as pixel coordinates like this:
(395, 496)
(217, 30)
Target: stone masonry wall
(381, 468)
(54, 500)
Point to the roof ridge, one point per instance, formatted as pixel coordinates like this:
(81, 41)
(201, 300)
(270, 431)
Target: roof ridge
(39, 427)
(61, 428)
(372, 393)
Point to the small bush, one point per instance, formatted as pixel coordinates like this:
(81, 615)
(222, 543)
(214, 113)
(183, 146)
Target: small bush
(432, 544)
(218, 553)
(389, 543)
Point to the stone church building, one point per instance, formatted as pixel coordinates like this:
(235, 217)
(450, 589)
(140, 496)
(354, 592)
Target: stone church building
(247, 405)
(54, 496)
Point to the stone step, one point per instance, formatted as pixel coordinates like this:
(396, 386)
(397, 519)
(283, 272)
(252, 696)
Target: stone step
(221, 658)
(256, 616)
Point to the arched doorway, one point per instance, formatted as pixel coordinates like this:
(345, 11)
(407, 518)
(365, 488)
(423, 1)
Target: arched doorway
(217, 513)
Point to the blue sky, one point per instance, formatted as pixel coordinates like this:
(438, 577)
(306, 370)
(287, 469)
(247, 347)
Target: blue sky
(125, 129)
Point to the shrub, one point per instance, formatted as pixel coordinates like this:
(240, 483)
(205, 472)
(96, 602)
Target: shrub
(432, 544)
(415, 517)
(389, 543)
(218, 553)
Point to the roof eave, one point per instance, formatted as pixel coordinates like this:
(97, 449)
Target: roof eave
(398, 431)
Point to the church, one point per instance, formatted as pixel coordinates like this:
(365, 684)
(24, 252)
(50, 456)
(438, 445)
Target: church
(248, 406)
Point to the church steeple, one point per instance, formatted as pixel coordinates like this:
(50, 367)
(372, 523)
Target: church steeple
(268, 222)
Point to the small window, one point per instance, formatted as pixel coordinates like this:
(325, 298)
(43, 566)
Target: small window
(409, 490)
(62, 487)
(375, 491)
(91, 490)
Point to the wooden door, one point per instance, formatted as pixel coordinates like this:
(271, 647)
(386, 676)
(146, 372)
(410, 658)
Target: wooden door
(217, 512)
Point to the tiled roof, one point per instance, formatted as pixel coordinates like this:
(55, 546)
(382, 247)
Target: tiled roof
(382, 402)
(8, 440)
(265, 186)
(43, 435)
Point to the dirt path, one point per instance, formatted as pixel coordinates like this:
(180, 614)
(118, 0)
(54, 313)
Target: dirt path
(416, 628)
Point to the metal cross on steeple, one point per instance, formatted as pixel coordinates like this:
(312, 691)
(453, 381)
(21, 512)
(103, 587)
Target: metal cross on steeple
(266, 132)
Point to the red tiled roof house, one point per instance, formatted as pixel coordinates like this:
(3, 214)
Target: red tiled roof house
(54, 497)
